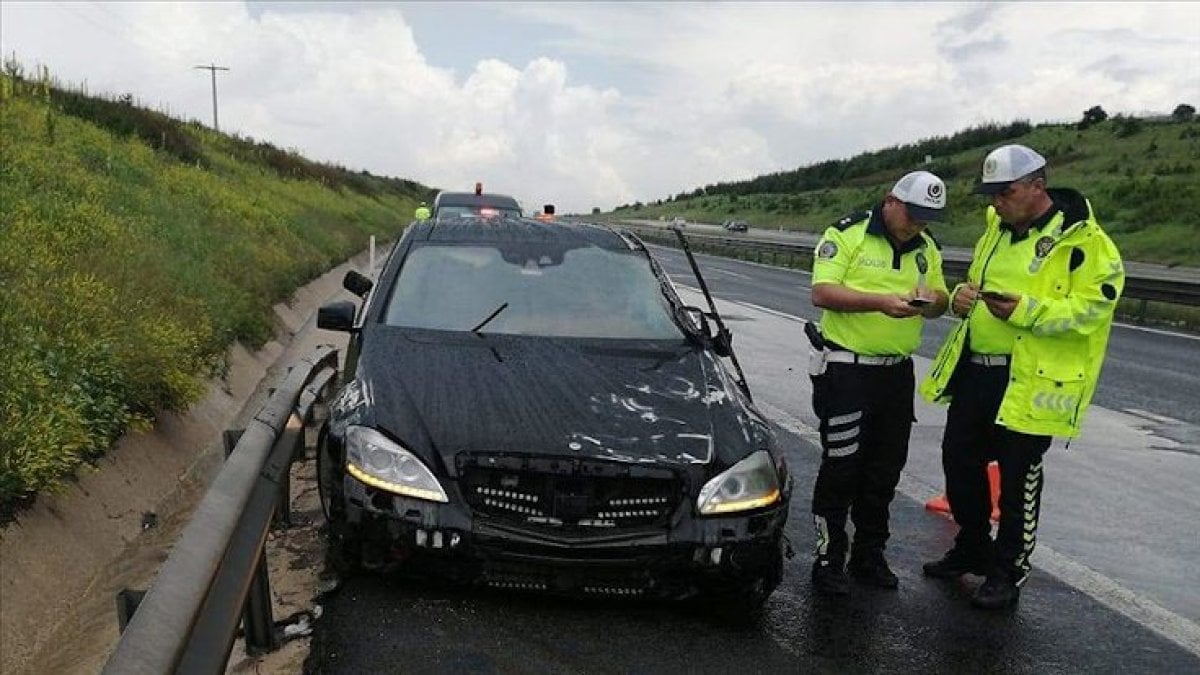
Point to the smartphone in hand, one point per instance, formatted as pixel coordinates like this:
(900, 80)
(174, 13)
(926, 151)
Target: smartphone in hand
(995, 295)
(920, 302)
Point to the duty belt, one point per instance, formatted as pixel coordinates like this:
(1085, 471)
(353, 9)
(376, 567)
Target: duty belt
(863, 359)
(990, 359)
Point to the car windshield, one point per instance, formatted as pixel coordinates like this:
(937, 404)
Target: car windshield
(477, 212)
(540, 289)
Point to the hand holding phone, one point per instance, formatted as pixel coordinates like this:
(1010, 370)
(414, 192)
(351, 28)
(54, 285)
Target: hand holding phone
(995, 295)
(919, 302)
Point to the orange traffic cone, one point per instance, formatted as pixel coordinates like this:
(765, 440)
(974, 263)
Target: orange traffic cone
(942, 505)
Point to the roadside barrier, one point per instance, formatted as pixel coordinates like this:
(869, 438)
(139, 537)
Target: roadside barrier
(1143, 281)
(216, 575)
(940, 504)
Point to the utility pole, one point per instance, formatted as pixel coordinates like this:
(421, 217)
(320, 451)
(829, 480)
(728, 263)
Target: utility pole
(213, 69)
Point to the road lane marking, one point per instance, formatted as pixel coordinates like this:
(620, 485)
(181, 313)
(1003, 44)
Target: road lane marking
(751, 305)
(1156, 331)
(732, 274)
(1152, 416)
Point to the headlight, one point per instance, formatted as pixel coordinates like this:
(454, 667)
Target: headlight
(380, 462)
(750, 484)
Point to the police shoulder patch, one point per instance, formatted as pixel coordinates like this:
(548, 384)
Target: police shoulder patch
(848, 220)
(827, 250)
(1043, 246)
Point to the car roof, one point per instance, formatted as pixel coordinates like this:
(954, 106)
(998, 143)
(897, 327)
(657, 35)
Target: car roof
(472, 199)
(500, 229)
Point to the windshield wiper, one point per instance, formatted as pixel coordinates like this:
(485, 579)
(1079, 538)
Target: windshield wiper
(489, 318)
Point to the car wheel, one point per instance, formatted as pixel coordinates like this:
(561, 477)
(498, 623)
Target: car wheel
(344, 550)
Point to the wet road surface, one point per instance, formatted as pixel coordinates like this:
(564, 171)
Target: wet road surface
(387, 623)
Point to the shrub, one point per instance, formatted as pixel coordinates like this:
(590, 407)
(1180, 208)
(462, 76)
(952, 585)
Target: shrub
(125, 272)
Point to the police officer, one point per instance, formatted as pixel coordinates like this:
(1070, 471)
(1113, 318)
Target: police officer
(422, 212)
(875, 274)
(1021, 367)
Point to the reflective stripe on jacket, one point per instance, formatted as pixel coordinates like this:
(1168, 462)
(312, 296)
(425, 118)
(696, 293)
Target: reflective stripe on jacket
(1065, 314)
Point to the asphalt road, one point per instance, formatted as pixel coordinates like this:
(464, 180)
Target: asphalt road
(1146, 370)
(1084, 610)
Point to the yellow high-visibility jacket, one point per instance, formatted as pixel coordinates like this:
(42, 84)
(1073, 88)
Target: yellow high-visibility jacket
(1064, 316)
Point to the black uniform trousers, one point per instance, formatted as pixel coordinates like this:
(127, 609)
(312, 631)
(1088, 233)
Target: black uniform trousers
(973, 439)
(866, 416)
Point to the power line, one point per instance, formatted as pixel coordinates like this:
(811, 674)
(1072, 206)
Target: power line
(213, 69)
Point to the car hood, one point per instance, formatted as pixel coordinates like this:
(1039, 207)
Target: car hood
(628, 401)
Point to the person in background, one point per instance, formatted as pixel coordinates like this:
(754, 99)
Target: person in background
(1022, 366)
(876, 274)
(422, 212)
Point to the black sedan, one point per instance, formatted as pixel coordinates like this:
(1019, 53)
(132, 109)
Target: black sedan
(529, 405)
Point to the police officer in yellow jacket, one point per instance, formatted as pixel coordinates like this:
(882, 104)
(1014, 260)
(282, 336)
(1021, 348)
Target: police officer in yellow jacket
(1021, 367)
(875, 274)
(422, 212)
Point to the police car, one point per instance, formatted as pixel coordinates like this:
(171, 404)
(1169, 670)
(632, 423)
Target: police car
(477, 204)
(530, 405)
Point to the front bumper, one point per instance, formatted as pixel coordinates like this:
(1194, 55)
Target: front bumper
(685, 556)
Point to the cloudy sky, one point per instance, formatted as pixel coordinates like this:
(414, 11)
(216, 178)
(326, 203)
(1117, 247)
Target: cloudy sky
(598, 104)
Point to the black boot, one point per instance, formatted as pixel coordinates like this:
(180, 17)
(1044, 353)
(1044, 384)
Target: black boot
(996, 592)
(871, 568)
(957, 562)
(829, 576)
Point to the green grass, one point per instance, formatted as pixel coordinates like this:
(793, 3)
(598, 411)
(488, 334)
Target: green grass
(1143, 179)
(126, 271)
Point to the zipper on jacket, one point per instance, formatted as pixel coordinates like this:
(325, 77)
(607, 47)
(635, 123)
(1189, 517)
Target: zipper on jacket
(991, 254)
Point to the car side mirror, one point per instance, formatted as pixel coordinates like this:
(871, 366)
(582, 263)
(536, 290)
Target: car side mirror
(357, 283)
(336, 316)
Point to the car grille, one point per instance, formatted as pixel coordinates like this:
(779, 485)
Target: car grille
(594, 582)
(569, 494)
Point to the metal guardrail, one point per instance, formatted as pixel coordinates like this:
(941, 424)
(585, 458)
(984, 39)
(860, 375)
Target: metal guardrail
(1177, 285)
(216, 575)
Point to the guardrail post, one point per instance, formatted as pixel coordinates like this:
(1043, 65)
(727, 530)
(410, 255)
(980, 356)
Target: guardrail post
(283, 512)
(1142, 306)
(258, 620)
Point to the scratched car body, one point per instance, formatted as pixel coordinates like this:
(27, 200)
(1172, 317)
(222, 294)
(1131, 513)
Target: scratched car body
(530, 405)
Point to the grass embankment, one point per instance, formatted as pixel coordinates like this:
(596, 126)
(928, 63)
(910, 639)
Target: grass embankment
(1142, 177)
(127, 267)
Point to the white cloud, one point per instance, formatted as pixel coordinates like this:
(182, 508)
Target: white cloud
(692, 93)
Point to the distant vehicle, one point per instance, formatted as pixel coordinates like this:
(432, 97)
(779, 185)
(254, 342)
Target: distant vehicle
(532, 406)
(477, 204)
(736, 225)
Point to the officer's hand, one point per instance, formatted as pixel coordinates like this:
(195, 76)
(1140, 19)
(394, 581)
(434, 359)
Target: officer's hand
(966, 296)
(897, 307)
(1001, 307)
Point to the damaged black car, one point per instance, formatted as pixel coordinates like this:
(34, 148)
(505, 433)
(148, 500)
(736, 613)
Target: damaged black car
(530, 405)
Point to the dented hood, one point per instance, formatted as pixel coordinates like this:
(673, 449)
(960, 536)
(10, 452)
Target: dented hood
(625, 401)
